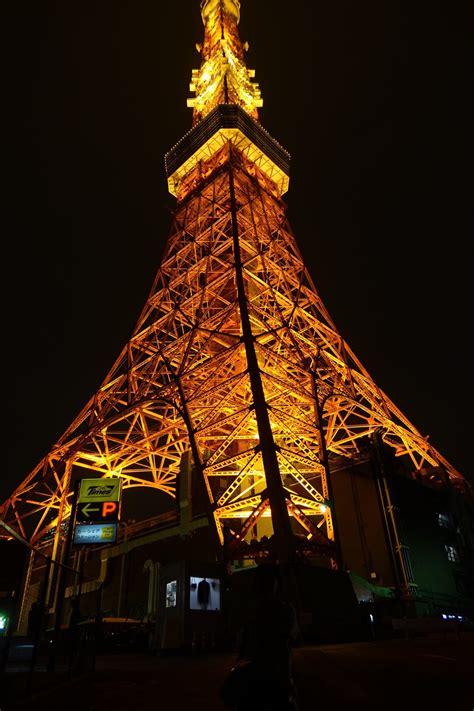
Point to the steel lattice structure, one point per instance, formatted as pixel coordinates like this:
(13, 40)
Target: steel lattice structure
(234, 356)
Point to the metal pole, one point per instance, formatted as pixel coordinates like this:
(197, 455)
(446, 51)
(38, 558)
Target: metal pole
(284, 538)
(83, 553)
(327, 484)
(156, 609)
(76, 613)
(122, 571)
(97, 635)
(38, 625)
(62, 582)
(50, 595)
(402, 575)
(20, 627)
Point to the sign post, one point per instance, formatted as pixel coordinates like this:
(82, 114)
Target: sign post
(98, 511)
(51, 664)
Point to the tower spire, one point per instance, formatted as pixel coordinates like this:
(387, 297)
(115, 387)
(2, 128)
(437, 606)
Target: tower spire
(223, 77)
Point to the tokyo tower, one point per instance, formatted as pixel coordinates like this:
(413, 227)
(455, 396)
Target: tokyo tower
(234, 358)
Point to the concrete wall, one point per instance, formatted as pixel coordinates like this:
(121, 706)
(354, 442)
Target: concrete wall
(360, 523)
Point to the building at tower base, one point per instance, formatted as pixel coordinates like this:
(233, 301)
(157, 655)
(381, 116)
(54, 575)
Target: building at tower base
(430, 525)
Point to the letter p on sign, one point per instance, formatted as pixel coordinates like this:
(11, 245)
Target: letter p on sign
(109, 508)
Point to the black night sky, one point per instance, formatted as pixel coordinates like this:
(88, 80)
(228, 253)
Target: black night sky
(371, 99)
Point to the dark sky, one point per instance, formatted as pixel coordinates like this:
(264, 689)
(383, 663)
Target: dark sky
(371, 99)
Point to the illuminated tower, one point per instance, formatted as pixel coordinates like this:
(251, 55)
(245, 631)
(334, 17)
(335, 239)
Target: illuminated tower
(234, 357)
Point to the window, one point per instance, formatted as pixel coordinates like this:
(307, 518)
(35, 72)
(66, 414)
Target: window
(461, 585)
(452, 554)
(461, 538)
(171, 593)
(444, 520)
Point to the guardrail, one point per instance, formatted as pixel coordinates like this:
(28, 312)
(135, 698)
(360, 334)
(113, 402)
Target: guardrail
(422, 627)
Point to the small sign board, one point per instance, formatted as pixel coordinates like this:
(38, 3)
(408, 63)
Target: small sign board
(85, 533)
(99, 490)
(98, 511)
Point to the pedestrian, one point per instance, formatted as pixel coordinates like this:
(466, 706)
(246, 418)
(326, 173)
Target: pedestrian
(73, 635)
(262, 677)
(34, 617)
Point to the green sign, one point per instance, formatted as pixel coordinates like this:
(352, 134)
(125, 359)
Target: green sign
(99, 490)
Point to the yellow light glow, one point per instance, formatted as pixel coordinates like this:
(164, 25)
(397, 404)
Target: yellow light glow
(244, 144)
(223, 77)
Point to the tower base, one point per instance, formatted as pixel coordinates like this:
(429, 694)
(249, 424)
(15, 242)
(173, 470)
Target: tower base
(329, 611)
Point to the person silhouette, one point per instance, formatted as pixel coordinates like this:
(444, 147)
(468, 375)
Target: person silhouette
(203, 593)
(266, 642)
(34, 616)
